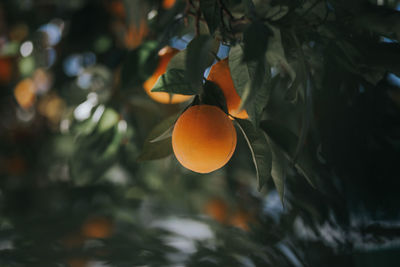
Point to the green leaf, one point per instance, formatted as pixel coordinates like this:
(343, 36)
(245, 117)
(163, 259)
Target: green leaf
(260, 150)
(173, 81)
(213, 95)
(278, 171)
(200, 54)
(276, 54)
(158, 143)
(251, 80)
(255, 40)
(287, 142)
(211, 10)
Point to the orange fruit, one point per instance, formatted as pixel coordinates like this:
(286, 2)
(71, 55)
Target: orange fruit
(221, 75)
(165, 55)
(240, 220)
(24, 93)
(204, 138)
(136, 34)
(216, 209)
(167, 4)
(97, 227)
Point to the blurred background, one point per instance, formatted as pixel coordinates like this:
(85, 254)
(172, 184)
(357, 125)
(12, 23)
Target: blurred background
(73, 192)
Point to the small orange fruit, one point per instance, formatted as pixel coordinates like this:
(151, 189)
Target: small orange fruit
(97, 227)
(167, 4)
(165, 55)
(221, 75)
(204, 138)
(216, 209)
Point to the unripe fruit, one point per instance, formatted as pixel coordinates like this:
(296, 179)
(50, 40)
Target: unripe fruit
(204, 138)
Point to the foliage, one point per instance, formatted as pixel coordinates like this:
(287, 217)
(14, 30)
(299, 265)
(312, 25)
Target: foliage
(318, 79)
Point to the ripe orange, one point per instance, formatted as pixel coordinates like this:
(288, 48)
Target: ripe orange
(221, 75)
(167, 4)
(97, 227)
(216, 209)
(165, 55)
(203, 139)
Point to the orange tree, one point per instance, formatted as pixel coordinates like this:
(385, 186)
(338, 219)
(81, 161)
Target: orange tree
(289, 110)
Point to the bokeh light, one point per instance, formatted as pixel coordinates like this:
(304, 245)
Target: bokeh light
(24, 93)
(26, 48)
(53, 33)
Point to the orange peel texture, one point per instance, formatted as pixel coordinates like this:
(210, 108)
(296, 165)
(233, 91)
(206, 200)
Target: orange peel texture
(204, 138)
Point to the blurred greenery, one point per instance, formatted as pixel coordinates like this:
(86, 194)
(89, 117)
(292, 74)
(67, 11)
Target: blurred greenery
(87, 172)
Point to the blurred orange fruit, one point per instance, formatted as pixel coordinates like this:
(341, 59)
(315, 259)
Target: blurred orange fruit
(24, 93)
(240, 220)
(165, 55)
(167, 4)
(117, 8)
(97, 227)
(203, 139)
(135, 34)
(52, 107)
(221, 75)
(217, 209)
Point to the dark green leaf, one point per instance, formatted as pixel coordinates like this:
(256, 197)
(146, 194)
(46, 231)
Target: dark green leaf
(278, 172)
(200, 54)
(255, 40)
(173, 81)
(213, 95)
(251, 80)
(260, 150)
(156, 147)
(287, 142)
(249, 8)
(211, 10)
